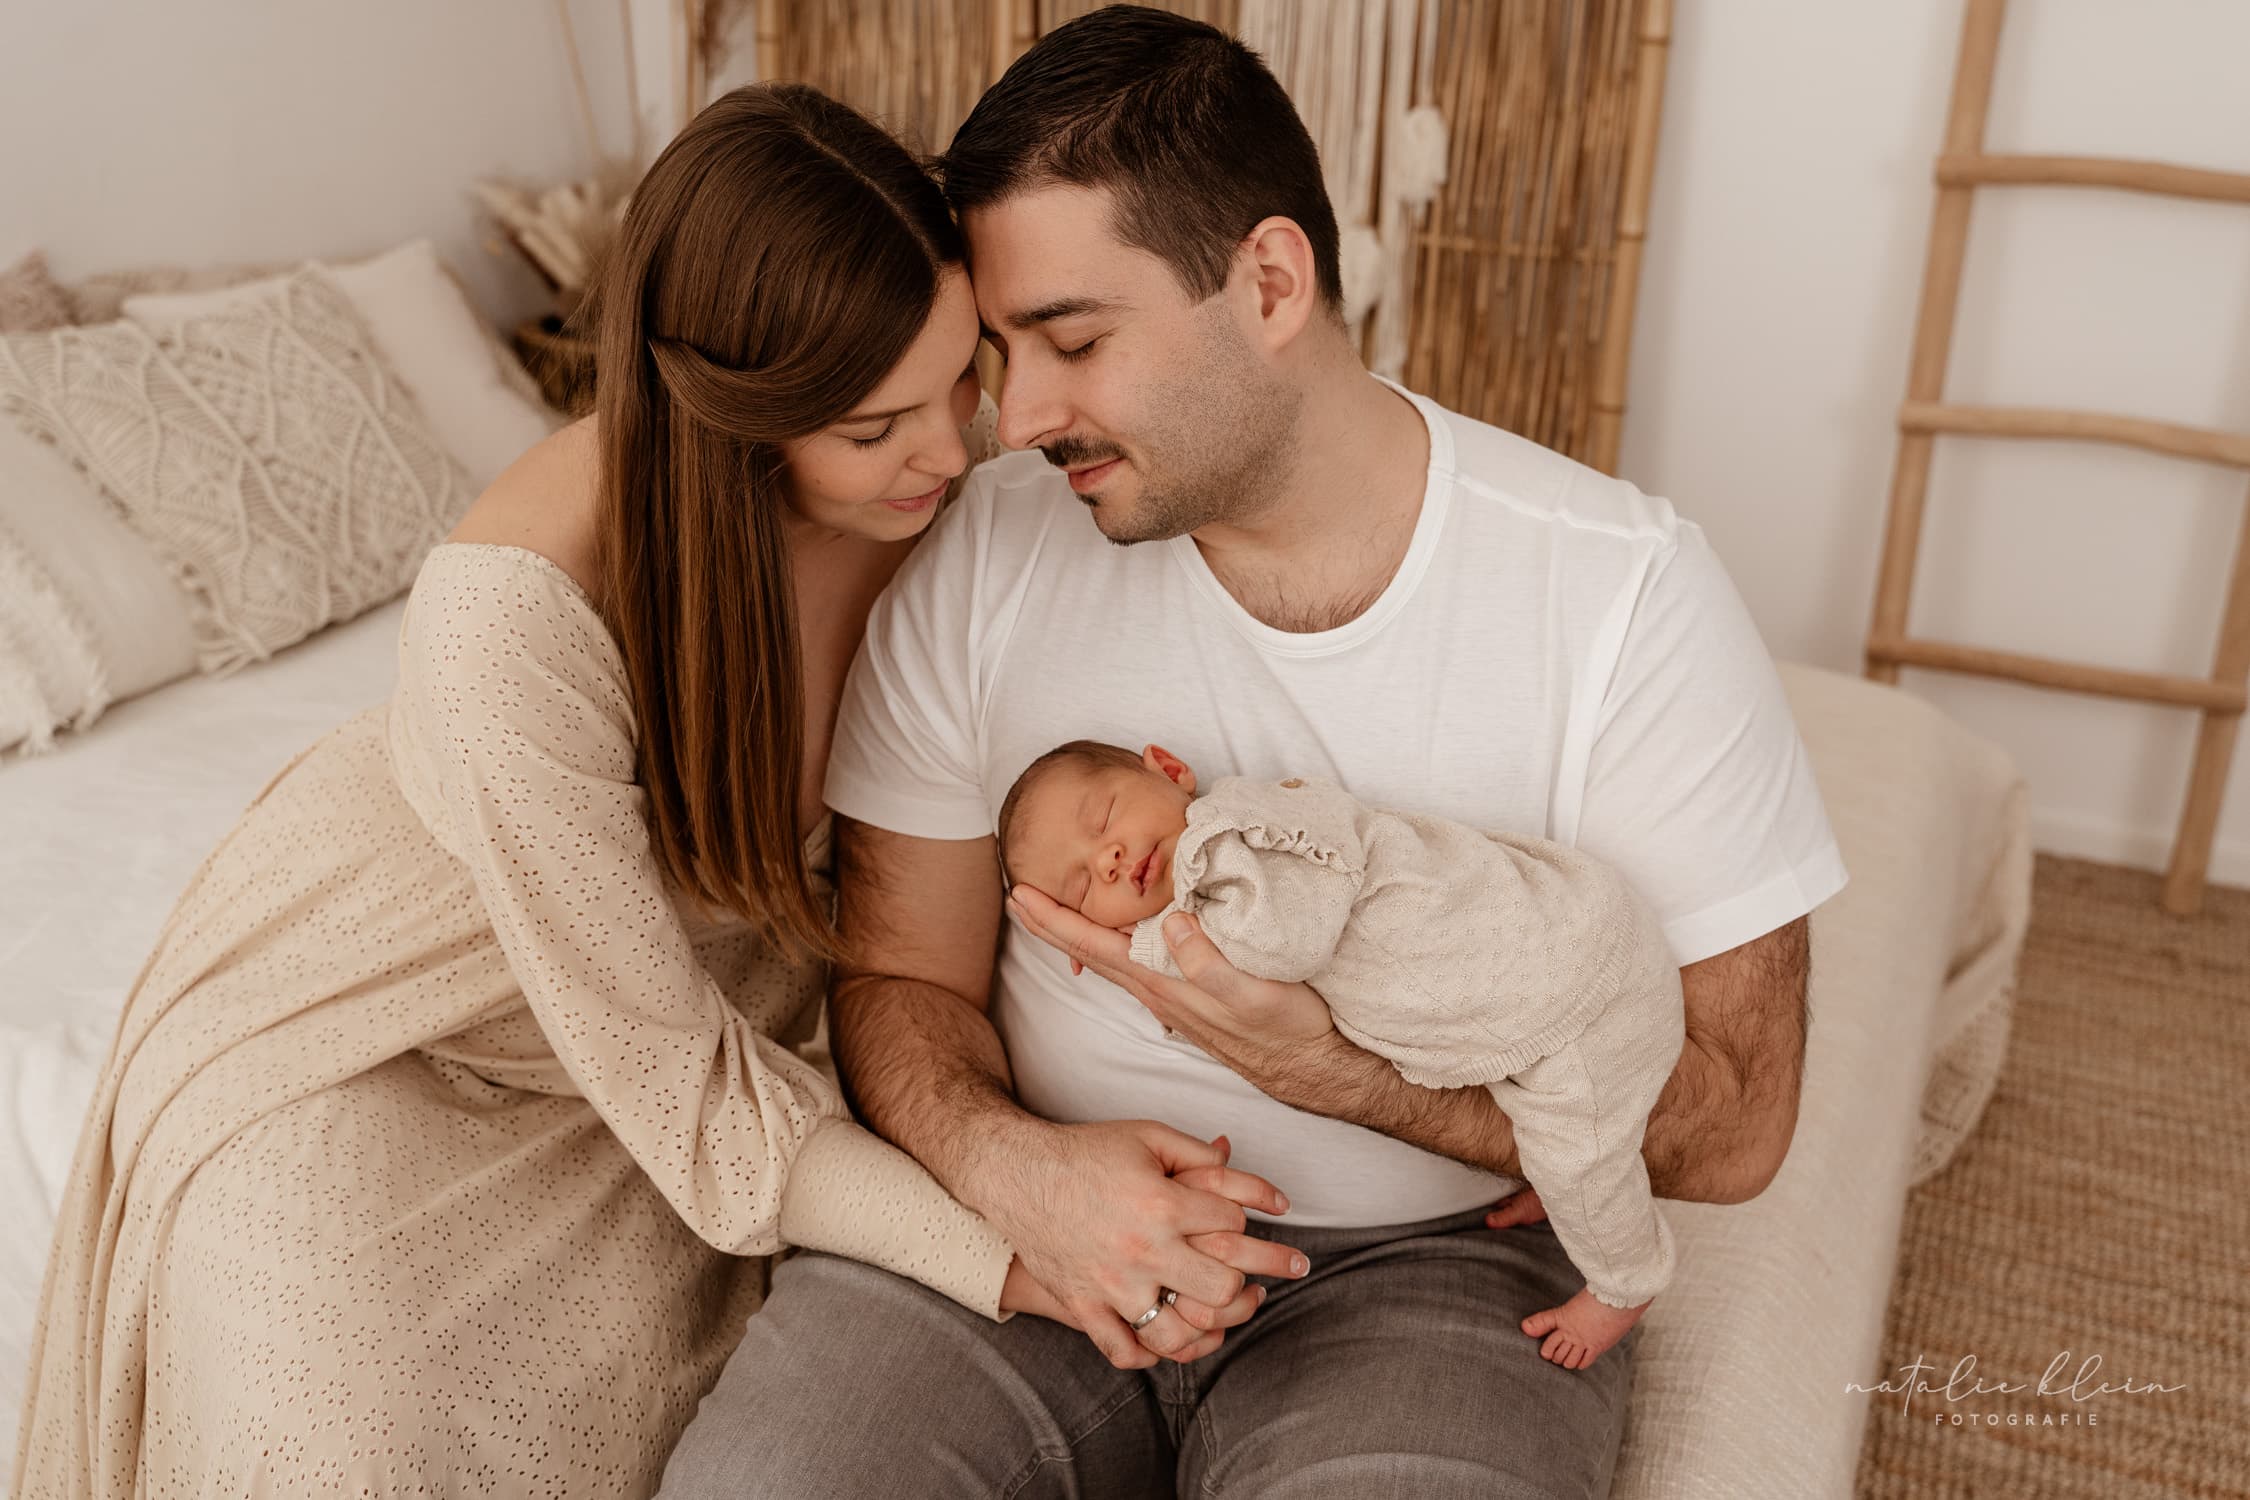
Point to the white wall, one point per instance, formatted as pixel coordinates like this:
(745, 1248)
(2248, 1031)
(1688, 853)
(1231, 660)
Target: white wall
(151, 131)
(1785, 257)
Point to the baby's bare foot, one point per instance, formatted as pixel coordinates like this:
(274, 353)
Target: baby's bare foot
(1581, 1330)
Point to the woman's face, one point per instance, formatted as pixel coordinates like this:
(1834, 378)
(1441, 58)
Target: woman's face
(880, 471)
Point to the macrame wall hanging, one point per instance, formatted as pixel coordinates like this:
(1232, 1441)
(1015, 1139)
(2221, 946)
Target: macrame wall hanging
(1489, 160)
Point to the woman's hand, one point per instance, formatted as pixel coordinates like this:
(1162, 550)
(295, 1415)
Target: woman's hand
(1022, 1293)
(1263, 1029)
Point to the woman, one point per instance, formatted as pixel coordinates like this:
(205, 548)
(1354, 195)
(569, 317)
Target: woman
(447, 1125)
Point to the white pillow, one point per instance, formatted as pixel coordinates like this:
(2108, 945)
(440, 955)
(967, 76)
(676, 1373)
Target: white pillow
(433, 340)
(135, 614)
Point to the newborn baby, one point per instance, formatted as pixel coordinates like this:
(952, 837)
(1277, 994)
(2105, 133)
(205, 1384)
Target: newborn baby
(1463, 957)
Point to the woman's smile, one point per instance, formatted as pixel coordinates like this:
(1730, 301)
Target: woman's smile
(916, 504)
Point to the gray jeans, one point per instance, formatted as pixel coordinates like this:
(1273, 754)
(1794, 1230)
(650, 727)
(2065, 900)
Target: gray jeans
(1394, 1369)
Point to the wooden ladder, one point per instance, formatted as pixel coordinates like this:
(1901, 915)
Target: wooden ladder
(1964, 166)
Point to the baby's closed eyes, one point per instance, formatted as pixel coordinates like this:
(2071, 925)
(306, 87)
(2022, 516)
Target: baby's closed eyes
(1075, 888)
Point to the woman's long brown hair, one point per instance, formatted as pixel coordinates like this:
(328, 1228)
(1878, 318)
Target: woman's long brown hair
(773, 266)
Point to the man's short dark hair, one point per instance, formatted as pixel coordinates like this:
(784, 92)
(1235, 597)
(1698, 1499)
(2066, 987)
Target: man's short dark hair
(1184, 125)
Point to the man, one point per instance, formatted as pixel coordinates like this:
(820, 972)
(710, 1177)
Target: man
(1292, 567)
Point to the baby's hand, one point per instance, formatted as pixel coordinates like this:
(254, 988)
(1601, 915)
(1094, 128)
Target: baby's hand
(1581, 1330)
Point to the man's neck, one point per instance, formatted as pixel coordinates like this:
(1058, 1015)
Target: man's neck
(1342, 516)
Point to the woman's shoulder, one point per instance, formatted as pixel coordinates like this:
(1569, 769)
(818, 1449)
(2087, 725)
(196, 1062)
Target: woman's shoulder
(543, 503)
(509, 594)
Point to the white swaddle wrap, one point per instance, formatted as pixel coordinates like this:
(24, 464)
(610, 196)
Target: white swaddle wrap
(1463, 957)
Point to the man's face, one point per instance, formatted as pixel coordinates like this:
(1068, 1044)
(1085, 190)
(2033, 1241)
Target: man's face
(1161, 408)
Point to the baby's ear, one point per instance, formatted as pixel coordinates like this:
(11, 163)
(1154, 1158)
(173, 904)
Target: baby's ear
(1164, 763)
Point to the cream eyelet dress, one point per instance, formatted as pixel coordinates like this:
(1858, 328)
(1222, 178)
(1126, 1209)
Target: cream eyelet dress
(439, 1151)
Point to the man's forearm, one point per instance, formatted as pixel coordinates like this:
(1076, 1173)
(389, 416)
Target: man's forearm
(1719, 1130)
(1698, 1146)
(925, 1070)
(1691, 1152)
(1349, 1083)
(1722, 1126)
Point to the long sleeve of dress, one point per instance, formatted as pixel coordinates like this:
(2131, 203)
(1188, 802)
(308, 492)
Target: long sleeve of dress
(517, 710)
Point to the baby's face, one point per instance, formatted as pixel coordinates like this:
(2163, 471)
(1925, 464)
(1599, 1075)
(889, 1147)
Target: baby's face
(1099, 840)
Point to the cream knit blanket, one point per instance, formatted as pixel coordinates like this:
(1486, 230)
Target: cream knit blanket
(1465, 958)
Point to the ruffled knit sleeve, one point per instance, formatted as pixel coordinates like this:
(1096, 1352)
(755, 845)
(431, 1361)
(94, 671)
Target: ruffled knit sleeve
(513, 702)
(1271, 871)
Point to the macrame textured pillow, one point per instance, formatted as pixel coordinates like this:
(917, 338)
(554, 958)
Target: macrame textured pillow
(264, 450)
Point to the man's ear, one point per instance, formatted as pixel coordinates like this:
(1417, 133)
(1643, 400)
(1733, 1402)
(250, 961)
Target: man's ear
(1282, 272)
(1164, 763)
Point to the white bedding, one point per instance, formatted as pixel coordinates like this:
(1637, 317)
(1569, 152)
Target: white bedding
(97, 838)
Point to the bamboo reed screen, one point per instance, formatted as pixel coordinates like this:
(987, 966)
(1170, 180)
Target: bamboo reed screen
(916, 65)
(1523, 260)
(1523, 274)
(1223, 14)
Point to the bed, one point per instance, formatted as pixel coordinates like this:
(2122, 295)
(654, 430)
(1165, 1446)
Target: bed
(1740, 1386)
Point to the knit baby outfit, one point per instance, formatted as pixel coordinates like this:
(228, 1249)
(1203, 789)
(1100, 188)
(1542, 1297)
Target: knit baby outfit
(1463, 957)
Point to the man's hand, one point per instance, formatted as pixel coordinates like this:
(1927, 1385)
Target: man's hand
(1261, 1028)
(1105, 1217)
(1279, 1037)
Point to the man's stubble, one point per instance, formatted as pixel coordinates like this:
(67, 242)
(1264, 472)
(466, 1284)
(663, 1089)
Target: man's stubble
(1222, 444)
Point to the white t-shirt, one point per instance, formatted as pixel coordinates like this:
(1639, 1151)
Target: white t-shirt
(1558, 655)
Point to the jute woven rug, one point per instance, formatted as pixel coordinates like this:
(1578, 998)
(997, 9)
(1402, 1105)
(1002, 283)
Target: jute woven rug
(2102, 1208)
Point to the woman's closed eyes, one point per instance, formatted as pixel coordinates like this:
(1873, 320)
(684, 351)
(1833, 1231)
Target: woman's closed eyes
(890, 427)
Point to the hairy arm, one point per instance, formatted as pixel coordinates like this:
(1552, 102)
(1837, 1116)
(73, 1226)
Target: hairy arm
(1717, 1135)
(913, 1039)
(1722, 1126)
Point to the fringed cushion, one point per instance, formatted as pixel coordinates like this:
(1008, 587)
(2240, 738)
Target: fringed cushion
(264, 450)
(51, 673)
